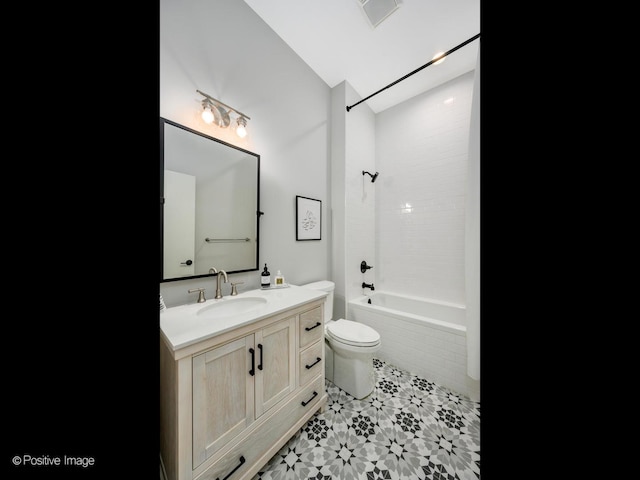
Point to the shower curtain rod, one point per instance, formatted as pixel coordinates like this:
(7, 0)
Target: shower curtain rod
(416, 70)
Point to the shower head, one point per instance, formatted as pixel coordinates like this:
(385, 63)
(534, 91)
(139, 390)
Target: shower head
(373, 176)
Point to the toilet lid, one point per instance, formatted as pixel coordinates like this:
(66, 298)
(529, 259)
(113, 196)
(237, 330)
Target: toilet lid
(353, 333)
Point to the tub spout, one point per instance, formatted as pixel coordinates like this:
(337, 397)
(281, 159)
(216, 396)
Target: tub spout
(368, 285)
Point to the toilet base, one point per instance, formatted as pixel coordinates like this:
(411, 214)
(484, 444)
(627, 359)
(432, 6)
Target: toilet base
(350, 367)
(354, 374)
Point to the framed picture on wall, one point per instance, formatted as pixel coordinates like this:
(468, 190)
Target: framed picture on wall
(308, 218)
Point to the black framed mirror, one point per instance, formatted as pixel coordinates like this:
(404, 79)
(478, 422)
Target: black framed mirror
(209, 204)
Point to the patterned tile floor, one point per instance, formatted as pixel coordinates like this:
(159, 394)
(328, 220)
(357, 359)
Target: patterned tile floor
(408, 428)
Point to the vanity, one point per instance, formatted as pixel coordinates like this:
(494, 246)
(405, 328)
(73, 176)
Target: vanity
(239, 376)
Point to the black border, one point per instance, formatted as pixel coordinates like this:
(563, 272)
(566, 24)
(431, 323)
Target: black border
(164, 121)
(82, 333)
(298, 197)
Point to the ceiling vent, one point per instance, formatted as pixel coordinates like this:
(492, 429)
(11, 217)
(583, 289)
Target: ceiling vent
(377, 10)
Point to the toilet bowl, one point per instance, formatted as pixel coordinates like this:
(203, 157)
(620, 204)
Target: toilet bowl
(349, 349)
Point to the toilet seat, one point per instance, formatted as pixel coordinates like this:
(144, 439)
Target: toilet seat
(352, 333)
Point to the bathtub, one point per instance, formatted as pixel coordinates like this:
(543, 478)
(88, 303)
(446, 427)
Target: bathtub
(421, 336)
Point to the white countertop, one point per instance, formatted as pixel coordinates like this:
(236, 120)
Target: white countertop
(181, 326)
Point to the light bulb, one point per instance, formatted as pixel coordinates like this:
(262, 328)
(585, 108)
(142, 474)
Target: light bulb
(240, 130)
(207, 115)
(438, 55)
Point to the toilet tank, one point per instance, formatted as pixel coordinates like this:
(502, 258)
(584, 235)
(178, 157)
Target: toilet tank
(325, 286)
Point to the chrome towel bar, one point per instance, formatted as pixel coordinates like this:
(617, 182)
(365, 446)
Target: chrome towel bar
(218, 240)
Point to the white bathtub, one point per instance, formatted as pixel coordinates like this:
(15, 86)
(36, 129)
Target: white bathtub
(419, 335)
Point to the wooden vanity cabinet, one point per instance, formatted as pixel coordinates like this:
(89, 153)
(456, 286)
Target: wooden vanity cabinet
(237, 382)
(229, 403)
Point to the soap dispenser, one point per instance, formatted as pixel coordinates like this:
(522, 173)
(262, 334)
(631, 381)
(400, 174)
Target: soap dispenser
(265, 278)
(279, 279)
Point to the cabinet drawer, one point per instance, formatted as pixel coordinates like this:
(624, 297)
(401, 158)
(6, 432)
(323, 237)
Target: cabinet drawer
(269, 434)
(311, 362)
(311, 326)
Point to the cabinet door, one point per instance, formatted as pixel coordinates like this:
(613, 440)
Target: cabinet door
(223, 396)
(276, 363)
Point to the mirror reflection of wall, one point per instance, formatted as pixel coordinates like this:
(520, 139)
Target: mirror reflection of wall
(180, 217)
(211, 204)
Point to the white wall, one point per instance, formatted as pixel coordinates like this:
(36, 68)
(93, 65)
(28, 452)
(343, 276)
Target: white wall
(360, 195)
(338, 205)
(353, 150)
(247, 66)
(421, 154)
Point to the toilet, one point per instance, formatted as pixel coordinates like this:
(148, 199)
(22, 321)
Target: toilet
(349, 348)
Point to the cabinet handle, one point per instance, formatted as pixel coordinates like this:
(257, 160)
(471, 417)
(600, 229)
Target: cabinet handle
(260, 348)
(311, 328)
(231, 472)
(309, 366)
(315, 394)
(253, 362)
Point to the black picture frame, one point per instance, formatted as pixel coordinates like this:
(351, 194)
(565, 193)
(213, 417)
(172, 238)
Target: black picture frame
(308, 218)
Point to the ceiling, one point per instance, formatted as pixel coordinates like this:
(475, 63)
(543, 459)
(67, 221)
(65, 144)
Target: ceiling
(336, 39)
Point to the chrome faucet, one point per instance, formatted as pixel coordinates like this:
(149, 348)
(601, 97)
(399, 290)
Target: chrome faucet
(218, 289)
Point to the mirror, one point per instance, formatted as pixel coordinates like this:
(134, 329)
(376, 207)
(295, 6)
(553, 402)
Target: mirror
(209, 204)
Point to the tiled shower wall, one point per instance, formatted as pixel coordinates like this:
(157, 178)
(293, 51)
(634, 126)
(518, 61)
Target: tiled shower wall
(421, 154)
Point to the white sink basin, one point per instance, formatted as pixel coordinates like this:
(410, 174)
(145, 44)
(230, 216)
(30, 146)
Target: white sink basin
(230, 307)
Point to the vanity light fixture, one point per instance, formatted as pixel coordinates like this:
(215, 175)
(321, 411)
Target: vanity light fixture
(214, 111)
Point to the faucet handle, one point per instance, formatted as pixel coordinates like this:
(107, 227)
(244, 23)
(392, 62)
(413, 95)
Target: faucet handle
(234, 291)
(201, 298)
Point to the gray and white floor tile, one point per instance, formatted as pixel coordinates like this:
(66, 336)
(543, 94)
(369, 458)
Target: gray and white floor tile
(408, 428)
